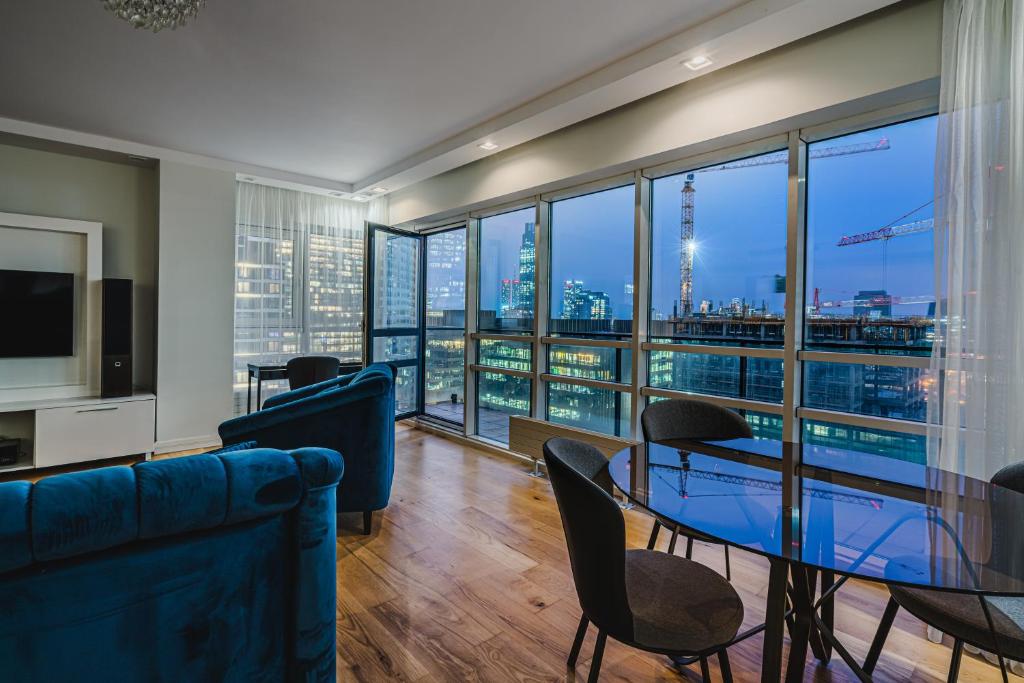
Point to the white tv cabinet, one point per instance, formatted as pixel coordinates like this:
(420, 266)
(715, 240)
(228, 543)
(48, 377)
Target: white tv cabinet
(63, 431)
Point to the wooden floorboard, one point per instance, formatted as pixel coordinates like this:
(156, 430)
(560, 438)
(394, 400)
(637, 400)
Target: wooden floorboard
(465, 577)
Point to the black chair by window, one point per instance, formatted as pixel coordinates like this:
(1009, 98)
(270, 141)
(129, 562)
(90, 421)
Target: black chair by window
(649, 600)
(684, 418)
(969, 619)
(306, 370)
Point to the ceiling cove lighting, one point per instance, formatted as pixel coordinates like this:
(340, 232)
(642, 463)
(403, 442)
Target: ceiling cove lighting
(155, 15)
(697, 63)
(488, 145)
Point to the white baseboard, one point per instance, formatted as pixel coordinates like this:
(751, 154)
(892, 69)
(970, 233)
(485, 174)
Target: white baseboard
(186, 444)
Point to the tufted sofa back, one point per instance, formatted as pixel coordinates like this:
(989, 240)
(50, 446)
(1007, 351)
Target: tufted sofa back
(209, 567)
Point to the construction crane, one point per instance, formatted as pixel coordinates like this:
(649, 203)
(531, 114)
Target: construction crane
(684, 471)
(876, 300)
(817, 153)
(886, 233)
(688, 246)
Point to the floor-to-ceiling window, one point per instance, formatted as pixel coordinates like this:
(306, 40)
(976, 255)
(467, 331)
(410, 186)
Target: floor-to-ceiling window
(870, 287)
(445, 341)
(591, 310)
(298, 279)
(507, 271)
(718, 283)
(789, 279)
(506, 319)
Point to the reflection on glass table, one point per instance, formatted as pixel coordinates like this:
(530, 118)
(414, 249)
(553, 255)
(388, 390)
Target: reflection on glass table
(920, 527)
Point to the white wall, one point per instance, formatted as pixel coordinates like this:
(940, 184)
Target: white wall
(890, 55)
(195, 304)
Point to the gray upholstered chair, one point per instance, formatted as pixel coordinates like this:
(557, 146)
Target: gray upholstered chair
(649, 600)
(685, 418)
(305, 371)
(960, 615)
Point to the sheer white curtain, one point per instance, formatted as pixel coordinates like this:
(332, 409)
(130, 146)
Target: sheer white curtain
(977, 420)
(298, 276)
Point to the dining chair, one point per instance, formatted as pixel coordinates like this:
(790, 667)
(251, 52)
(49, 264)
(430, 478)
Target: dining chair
(304, 371)
(649, 600)
(996, 625)
(686, 418)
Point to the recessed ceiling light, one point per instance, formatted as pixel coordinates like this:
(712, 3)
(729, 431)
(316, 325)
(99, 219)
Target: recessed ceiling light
(248, 179)
(379, 190)
(336, 194)
(697, 63)
(361, 198)
(488, 145)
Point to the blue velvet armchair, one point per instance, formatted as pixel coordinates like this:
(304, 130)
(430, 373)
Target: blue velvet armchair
(201, 568)
(353, 414)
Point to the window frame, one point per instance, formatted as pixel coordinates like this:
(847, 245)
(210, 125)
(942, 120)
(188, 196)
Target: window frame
(606, 339)
(438, 229)
(791, 352)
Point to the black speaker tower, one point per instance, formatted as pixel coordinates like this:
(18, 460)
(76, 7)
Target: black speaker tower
(116, 371)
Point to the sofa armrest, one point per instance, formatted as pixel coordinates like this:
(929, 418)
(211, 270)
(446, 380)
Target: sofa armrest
(314, 622)
(249, 427)
(307, 391)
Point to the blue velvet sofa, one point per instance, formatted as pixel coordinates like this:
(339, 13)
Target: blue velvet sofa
(201, 568)
(353, 414)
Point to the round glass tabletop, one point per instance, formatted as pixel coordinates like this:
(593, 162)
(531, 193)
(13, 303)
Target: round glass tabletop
(918, 526)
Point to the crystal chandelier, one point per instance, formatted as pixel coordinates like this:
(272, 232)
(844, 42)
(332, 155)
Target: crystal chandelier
(155, 14)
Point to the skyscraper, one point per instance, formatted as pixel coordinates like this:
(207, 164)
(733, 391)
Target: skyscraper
(579, 303)
(527, 270)
(397, 298)
(509, 298)
(571, 298)
(446, 271)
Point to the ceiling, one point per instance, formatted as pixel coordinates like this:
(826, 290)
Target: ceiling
(333, 89)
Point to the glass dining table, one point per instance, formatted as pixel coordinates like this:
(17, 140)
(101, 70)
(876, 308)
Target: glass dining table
(822, 515)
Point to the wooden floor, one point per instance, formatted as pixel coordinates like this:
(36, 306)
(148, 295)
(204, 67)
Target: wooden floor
(465, 577)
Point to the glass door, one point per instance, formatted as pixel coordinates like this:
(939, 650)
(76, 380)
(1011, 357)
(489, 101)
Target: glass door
(395, 298)
(444, 356)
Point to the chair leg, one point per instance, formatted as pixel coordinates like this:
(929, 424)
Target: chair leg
(728, 569)
(654, 535)
(367, 522)
(954, 663)
(689, 547)
(723, 664)
(880, 635)
(595, 663)
(705, 671)
(672, 541)
(581, 632)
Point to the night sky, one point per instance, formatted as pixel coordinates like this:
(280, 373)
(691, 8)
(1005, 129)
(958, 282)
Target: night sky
(740, 230)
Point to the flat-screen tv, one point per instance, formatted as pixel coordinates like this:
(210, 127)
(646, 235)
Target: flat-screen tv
(37, 311)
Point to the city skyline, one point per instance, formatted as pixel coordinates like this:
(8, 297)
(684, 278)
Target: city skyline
(738, 273)
(847, 195)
